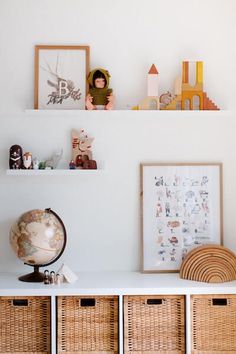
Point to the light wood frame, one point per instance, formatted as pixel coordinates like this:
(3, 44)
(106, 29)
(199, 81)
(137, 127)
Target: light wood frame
(38, 49)
(211, 212)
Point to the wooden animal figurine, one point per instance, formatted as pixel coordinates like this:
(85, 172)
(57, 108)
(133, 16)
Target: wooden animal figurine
(81, 145)
(99, 96)
(15, 158)
(165, 99)
(27, 161)
(53, 161)
(81, 150)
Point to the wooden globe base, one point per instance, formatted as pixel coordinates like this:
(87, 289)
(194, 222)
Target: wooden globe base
(35, 277)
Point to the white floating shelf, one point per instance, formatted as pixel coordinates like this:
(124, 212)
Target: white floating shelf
(133, 113)
(57, 172)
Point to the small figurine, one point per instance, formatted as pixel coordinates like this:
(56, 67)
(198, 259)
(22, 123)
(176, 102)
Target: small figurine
(42, 165)
(52, 162)
(72, 165)
(35, 163)
(58, 279)
(79, 162)
(99, 96)
(165, 99)
(46, 279)
(52, 277)
(89, 165)
(27, 160)
(15, 158)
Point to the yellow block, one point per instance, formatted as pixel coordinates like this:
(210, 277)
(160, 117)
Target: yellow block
(199, 72)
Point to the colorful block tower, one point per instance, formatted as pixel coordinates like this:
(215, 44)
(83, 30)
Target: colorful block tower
(192, 96)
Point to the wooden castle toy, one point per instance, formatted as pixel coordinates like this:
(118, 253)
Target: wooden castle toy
(151, 102)
(190, 96)
(187, 96)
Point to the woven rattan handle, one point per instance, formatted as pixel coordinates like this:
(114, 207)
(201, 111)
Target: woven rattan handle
(87, 302)
(219, 302)
(20, 302)
(154, 301)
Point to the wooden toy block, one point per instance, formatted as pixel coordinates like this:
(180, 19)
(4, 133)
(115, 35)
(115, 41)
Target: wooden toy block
(185, 71)
(151, 102)
(210, 264)
(152, 89)
(208, 104)
(199, 72)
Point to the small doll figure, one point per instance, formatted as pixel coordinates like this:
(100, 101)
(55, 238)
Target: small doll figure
(52, 277)
(58, 279)
(16, 157)
(46, 279)
(27, 160)
(100, 96)
(72, 165)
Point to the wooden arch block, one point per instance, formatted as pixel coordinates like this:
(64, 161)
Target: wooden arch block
(209, 264)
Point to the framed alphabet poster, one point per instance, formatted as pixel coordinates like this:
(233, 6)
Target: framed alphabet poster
(181, 208)
(60, 76)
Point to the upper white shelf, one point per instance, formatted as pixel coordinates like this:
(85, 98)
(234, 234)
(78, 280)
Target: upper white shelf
(129, 112)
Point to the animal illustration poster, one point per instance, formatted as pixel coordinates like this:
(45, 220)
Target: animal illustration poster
(181, 209)
(60, 77)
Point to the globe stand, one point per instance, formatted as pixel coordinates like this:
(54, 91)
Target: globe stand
(35, 277)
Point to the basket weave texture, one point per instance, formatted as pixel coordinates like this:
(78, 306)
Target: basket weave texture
(154, 324)
(87, 324)
(213, 324)
(25, 325)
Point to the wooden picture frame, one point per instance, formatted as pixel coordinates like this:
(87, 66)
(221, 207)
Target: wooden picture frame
(61, 76)
(181, 208)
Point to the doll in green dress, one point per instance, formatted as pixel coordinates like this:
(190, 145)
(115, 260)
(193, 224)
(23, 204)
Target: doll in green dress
(99, 96)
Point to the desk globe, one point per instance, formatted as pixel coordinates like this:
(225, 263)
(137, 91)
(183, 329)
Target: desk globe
(38, 238)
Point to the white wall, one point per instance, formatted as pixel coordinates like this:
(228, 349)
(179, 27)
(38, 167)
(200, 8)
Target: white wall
(101, 212)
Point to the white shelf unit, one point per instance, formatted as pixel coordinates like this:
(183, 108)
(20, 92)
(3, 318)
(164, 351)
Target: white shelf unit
(116, 283)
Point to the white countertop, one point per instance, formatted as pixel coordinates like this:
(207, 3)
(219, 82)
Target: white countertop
(114, 283)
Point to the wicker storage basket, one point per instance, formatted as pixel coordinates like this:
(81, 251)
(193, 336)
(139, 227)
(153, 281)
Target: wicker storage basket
(87, 324)
(154, 324)
(25, 325)
(213, 324)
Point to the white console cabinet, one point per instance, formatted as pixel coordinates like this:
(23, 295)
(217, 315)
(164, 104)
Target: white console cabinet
(115, 283)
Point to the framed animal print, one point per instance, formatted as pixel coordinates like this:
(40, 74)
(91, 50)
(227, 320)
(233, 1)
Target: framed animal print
(181, 208)
(61, 76)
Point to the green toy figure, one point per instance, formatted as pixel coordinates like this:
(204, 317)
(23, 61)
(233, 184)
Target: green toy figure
(99, 96)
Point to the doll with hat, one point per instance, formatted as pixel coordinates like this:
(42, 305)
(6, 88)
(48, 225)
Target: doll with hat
(99, 96)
